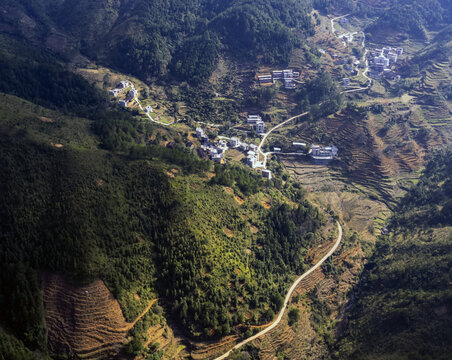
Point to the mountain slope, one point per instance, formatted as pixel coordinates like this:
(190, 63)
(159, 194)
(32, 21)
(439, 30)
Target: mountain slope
(141, 37)
(402, 309)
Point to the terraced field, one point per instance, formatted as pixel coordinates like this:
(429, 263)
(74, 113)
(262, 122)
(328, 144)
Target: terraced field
(83, 320)
(436, 110)
(359, 165)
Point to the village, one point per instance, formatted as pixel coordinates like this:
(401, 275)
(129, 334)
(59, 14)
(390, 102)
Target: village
(217, 149)
(126, 93)
(376, 63)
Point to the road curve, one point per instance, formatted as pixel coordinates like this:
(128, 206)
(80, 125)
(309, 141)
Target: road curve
(287, 298)
(259, 149)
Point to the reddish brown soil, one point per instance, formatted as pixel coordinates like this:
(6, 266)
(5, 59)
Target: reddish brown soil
(83, 320)
(86, 320)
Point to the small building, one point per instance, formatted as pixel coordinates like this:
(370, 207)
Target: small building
(319, 152)
(260, 127)
(278, 74)
(345, 81)
(124, 84)
(299, 146)
(234, 142)
(123, 103)
(114, 92)
(218, 158)
(148, 109)
(381, 61)
(296, 75)
(289, 84)
(199, 132)
(204, 139)
(288, 74)
(244, 146)
(392, 57)
(399, 51)
(223, 144)
(265, 79)
(276, 149)
(267, 174)
(253, 119)
(251, 159)
(253, 147)
(131, 94)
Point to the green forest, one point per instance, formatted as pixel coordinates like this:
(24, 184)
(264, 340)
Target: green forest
(176, 37)
(104, 207)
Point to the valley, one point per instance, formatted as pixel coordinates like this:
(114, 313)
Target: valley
(207, 180)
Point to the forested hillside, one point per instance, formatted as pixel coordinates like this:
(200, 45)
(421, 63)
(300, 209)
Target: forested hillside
(90, 195)
(150, 38)
(402, 308)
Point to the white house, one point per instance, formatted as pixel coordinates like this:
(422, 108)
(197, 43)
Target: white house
(253, 147)
(299, 146)
(278, 74)
(288, 84)
(319, 152)
(345, 81)
(234, 142)
(288, 74)
(251, 159)
(253, 119)
(223, 145)
(199, 132)
(124, 84)
(276, 149)
(148, 109)
(267, 174)
(244, 146)
(260, 127)
(265, 79)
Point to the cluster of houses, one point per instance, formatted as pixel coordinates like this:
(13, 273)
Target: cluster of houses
(257, 123)
(381, 60)
(215, 150)
(287, 76)
(122, 87)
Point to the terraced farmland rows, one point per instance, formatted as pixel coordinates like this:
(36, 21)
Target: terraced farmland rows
(84, 320)
(360, 164)
(435, 109)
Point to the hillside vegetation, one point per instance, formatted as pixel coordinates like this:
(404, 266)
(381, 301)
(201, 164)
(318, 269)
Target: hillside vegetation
(402, 309)
(148, 38)
(91, 196)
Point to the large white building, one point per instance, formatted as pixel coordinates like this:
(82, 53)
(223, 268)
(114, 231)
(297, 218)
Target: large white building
(260, 127)
(253, 119)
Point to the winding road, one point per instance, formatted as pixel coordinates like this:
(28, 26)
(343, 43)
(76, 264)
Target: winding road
(287, 298)
(259, 149)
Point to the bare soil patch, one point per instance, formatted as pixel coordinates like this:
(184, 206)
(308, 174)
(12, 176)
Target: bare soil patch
(46, 119)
